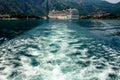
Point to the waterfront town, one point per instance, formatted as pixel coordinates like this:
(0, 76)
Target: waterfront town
(63, 14)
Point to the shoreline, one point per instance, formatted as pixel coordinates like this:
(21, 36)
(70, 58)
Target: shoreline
(61, 19)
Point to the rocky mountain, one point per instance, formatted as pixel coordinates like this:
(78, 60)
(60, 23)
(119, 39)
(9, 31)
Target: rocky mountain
(38, 7)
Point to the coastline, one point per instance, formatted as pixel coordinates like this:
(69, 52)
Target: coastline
(61, 19)
(33, 17)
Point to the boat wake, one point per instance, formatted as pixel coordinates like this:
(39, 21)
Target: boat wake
(54, 51)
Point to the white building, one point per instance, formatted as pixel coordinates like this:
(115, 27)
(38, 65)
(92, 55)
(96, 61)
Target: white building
(65, 14)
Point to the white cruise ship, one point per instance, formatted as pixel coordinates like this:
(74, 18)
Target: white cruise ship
(64, 14)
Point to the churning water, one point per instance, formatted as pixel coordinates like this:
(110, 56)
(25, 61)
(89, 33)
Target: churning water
(63, 50)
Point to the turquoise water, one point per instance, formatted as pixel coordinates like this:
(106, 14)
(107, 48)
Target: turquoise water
(60, 50)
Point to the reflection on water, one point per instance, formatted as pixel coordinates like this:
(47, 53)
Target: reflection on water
(61, 50)
(106, 29)
(11, 29)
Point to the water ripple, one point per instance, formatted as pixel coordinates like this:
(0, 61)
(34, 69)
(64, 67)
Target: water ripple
(61, 55)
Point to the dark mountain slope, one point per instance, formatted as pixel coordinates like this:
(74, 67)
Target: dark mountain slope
(38, 7)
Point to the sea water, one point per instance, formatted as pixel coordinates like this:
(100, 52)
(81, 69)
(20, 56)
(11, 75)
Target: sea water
(60, 50)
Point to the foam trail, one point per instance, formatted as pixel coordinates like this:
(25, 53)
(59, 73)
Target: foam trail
(63, 54)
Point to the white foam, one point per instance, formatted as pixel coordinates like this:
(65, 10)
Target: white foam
(56, 65)
(33, 52)
(57, 74)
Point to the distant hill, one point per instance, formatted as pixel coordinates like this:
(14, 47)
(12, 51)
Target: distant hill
(21, 6)
(38, 7)
(116, 9)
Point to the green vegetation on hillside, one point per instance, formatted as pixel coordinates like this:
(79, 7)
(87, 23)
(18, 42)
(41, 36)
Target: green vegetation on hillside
(39, 8)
